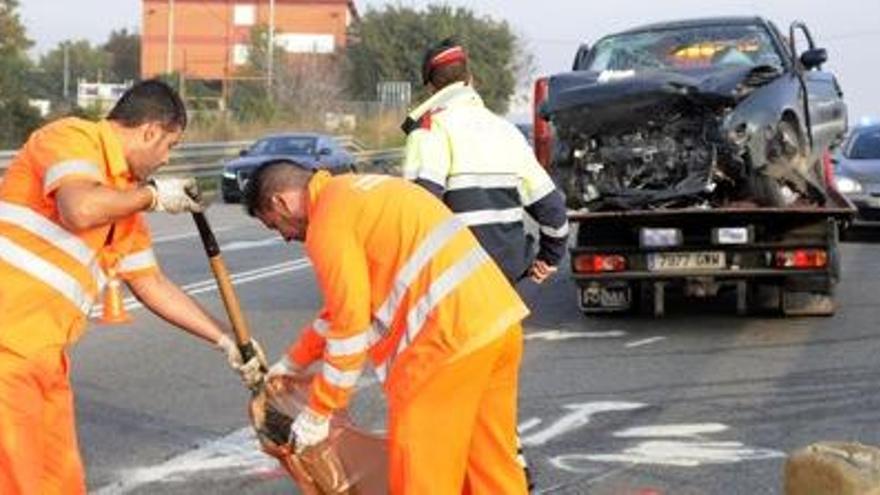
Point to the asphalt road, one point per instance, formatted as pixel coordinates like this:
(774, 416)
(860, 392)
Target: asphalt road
(699, 402)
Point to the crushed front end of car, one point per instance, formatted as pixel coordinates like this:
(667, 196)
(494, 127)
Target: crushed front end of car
(703, 116)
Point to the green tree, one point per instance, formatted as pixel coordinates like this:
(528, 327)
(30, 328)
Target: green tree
(18, 117)
(125, 55)
(389, 45)
(250, 99)
(84, 62)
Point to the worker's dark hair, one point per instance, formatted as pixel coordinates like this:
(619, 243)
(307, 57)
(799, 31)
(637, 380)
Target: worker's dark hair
(272, 177)
(150, 101)
(443, 74)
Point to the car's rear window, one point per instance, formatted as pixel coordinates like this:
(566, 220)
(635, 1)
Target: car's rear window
(866, 146)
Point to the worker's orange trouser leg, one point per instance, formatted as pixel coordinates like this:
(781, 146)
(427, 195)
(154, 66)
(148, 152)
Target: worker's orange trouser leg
(457, 433)
(38, 449)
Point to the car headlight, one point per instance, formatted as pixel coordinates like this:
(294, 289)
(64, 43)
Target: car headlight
(228, 174)
(847, 185)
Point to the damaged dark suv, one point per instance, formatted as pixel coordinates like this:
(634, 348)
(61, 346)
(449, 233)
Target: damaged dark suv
(695, 155)
(696, 113)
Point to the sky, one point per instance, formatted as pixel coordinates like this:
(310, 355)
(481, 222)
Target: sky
(552, 29)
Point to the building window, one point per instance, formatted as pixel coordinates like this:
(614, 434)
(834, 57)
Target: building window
(240, 54)
(244, 15)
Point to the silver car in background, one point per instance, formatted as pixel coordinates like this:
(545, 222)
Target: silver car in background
(857, 171)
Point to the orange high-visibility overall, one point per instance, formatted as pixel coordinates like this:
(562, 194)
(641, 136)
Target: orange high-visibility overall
(406, 284)
(49, 279)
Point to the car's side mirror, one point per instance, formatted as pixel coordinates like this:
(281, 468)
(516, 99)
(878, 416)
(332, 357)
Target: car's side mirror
(814, 57)
(325, 152)
(243, 152)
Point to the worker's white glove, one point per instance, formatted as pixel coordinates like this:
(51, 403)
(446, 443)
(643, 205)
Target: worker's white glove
(308, 429)
(284, 367)
(175, 195)
(252, 371)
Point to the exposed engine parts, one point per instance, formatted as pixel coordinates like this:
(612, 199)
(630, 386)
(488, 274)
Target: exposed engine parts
(669, 140)
(652, 167)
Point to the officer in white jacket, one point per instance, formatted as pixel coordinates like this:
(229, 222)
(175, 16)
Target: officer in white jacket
(481, 166)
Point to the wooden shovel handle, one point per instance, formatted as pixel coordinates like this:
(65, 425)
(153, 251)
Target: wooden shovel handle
(230, 299)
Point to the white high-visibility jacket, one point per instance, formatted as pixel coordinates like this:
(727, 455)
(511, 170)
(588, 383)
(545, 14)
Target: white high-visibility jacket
(481, 166)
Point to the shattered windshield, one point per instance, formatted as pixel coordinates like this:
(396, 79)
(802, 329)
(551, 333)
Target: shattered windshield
(686, 48)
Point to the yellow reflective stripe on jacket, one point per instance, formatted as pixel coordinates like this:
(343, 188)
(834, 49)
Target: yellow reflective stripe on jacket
(439, 289)
(431, 244)
(26, 219)
(339, 378)
(22, 217)
(321, 326)
(46, 272)
(484, 217)
(483, 181)
(356, 344)
(560, 233)
(141, 260)
(73, 167)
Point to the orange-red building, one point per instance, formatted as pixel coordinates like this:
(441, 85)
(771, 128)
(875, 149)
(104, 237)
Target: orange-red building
(210, 39)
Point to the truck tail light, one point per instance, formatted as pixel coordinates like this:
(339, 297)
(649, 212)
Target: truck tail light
(598, 263)
(828, 165)
(542, 136)
(801, 258)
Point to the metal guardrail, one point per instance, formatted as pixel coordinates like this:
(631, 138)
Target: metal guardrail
(5, 158)
(203, 159)
(383, 161)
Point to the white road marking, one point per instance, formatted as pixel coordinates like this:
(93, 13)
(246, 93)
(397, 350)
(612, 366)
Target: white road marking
(242, 245)
(672, 431)
(578, 417)
(528, 425)
(210, 285)
(188, 235)
(237, 454)
(691, 449)
(554, 335)
(677, 453)
(639, 343)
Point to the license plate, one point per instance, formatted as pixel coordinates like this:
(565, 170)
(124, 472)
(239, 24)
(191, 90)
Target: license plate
(699, 260)
(606, 297)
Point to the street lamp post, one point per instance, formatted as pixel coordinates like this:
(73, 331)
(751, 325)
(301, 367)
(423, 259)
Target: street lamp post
(271, 48)
(66, 77)
(169, 61)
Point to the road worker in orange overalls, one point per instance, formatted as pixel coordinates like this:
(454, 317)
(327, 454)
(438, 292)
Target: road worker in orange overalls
(484, 170)
(407, 285)
(71, 208)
